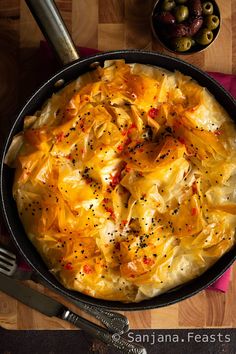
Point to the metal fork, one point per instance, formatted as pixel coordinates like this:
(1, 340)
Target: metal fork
(7, 262)
(115, 322)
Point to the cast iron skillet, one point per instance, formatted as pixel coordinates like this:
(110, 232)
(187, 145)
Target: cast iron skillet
(50, 22)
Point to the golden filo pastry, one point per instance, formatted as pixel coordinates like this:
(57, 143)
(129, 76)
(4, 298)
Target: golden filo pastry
(125, 181)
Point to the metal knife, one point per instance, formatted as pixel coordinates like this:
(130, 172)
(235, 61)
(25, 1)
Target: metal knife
(114, 321)
(51, 307)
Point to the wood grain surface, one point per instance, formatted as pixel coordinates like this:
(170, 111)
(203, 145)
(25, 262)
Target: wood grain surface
(107, 25)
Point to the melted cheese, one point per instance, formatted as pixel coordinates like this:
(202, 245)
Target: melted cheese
(125, 181)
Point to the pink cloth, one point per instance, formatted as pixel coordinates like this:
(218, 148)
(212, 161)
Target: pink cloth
(50, 65)
(23, 266)
(222, 283)
(226, 80)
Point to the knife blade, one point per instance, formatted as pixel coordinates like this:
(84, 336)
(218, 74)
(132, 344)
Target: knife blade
(51, 307)
(114, 321)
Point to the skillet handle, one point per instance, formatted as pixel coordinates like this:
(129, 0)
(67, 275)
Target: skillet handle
(52, 26)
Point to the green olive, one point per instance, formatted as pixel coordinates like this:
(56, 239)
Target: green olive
(181, 1)
(182, 44)
(207, 8)
(212, 22)
(204, 36)
(193, 42)
(181, 13)
(168, 5)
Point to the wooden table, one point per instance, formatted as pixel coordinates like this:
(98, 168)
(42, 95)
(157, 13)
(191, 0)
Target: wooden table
(107, 25)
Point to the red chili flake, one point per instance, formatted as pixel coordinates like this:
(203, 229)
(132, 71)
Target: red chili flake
(153, 112)
(82, 151)
(60, 137)
(124, 222)
(154, 97)
(194, 188)
(115, 179)
(182, 141)
(128, 131)
(194, 211)
(132, 126)
(105, 200)
(147, 260)
(87, 269)
(218, 132)
(110, 210)
(128, 141)
(117, 245)
(120, 147)
(68, 266)
(69, 157)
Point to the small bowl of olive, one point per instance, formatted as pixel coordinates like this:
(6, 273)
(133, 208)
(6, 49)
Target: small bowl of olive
(186, 26)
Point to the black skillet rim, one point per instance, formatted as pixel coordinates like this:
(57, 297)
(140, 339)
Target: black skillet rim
(188, 289)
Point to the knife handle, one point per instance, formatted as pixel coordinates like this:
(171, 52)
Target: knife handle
(101, 333)
(115, 322)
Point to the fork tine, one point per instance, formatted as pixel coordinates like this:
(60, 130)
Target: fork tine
(10, 262)
(6, 269)
(3, 271)
(9, 273)
(7, 253)
(7, 262)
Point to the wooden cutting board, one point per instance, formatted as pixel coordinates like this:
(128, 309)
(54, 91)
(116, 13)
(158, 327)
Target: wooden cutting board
(107, 25)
